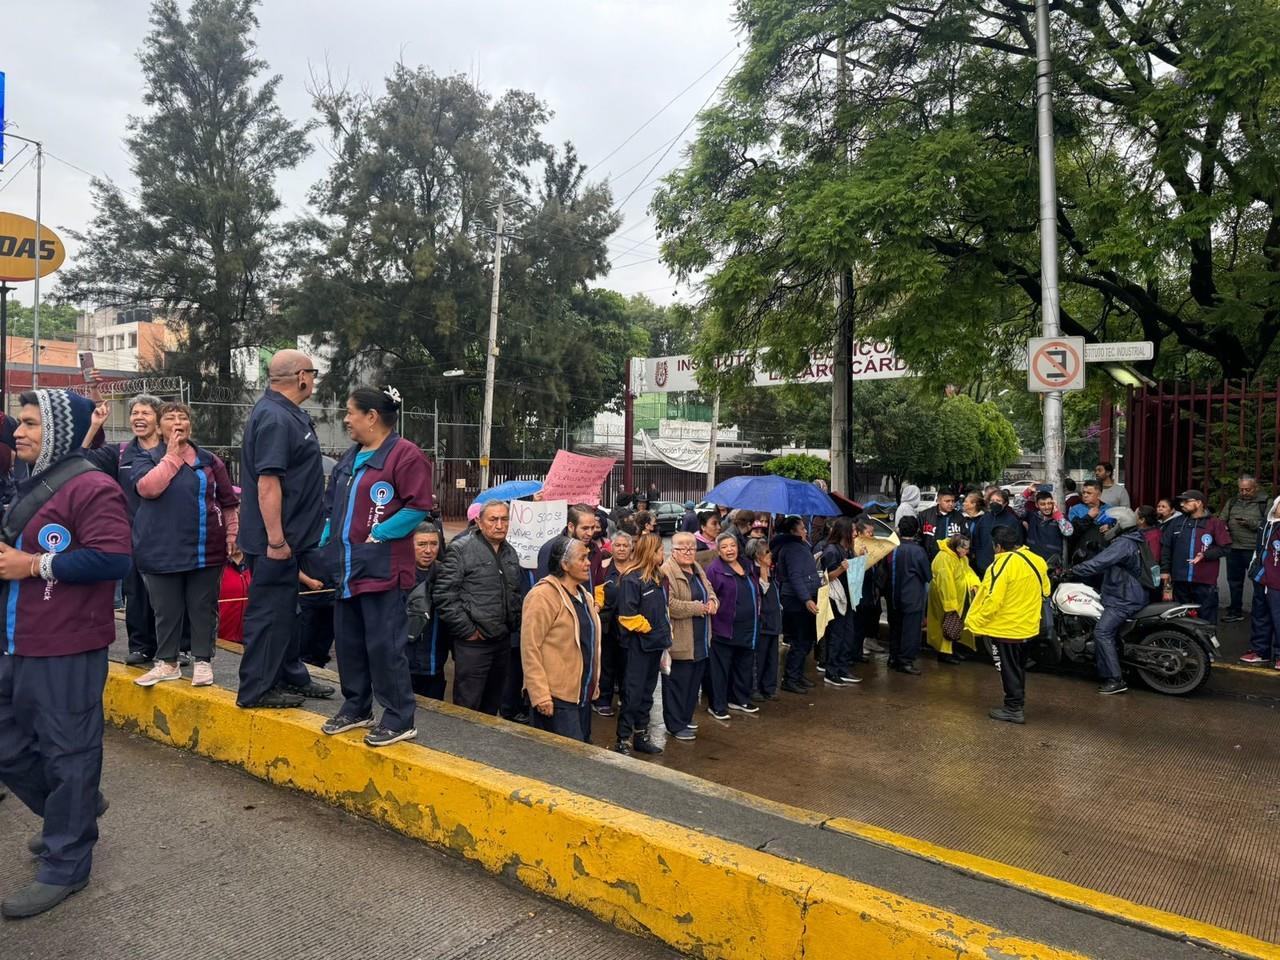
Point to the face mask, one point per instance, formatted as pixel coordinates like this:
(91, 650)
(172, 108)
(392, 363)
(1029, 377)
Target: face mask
(996, 507)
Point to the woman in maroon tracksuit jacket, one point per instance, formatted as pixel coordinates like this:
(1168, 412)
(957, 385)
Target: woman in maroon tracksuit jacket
(58, 613)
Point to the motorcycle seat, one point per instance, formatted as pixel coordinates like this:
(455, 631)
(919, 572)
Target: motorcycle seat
(1155, 609)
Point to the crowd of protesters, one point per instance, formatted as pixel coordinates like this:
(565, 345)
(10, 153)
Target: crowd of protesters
(729, 619)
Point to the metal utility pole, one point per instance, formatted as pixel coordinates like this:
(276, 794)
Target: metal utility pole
(629, 429)
(712, 456)
(842, 373)
(1053, 436)
(35, 308)
(4, 345)
(491, 350)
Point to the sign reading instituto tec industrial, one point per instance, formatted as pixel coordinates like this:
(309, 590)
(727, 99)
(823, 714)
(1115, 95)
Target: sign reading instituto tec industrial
(871, 361)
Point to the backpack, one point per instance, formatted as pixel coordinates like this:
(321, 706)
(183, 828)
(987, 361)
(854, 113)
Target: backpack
(1149, 574)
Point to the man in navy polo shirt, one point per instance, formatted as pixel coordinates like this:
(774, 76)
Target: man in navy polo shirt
(281, 519)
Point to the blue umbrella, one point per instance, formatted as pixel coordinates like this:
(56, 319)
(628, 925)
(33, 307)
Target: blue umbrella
(774, 495)
(511, 490)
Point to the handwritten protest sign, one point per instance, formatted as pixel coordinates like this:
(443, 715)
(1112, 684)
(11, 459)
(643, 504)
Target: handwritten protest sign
(533, 524)
(576, 478)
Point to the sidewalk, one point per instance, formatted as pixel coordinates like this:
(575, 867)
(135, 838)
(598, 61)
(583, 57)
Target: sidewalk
(201, 862)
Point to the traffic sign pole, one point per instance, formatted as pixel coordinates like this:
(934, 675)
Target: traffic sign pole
(1054, 442)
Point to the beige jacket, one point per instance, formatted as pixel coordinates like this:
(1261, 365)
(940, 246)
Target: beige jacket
(549, 647)
(682, 607)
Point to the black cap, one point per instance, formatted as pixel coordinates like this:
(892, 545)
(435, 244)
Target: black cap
(1192, 495)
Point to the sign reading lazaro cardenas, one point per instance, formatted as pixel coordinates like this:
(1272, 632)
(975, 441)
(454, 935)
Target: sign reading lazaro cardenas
(871, 361)
(20, 253)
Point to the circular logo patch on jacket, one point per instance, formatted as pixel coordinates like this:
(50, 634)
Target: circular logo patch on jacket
(1207, 540)
(381, 493)
(54, 537)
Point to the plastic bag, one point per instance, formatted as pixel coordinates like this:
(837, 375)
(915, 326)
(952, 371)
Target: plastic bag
(665, 663)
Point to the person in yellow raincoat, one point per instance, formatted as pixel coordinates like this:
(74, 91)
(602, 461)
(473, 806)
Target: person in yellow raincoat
(953, 583)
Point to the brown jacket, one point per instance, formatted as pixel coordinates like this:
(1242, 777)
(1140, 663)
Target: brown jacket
(549, 647)
(682, 607)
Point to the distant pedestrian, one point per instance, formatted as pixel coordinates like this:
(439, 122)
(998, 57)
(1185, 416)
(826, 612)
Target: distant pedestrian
(1149, 526)
(736, 628)
(1244, 516)
(479, 593)
(973, 510)
(798, 580)
(908, 503)
(866, 624)
(1048, 531)
(766, 666)
(645, 631)
(940, 522)
(1264, 571)
(1192, 547)
(281, 521)
(1007, 610)
(907, 574)
(689, 522)
(1113, 494)
(838, 645)
(560, 643)
(611, 653)
(428, 649)
(998, 515)
(1072, 496)
(692, 604)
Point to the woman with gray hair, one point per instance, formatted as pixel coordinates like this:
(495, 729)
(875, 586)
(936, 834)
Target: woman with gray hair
(736, 629)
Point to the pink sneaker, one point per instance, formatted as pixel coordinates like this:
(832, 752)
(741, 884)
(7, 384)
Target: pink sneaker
(159, 673)
(202, 674)
(1252, 659)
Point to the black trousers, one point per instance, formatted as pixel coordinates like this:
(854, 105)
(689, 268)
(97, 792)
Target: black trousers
(680, 691)
(1237, 570)
(767, 664)
(1010, 658)
(866, 626)
(314, 627)
(904, 635)
(51, 752)
(638, 680)
(190, 596)
(1205, 594)
(801, 630)
(139, 621)
(514, 700)
(731, 668)
(839, 660)
(270, 643)
(567, 719)
(611, 667)
(373, 632)
(428, 685)
(480, 673)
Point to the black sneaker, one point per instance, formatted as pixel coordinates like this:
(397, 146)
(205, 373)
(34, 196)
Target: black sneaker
(848, 678)
(603, 709)
(805, 681)
(274, 699)
(686, 734)
(1231, 616)
(906, 666)
(1007, 715)
(758, 698)
(790, 687)
(344, 722)
(1113, 686)
(622, 747)
(37, 897)
(744, 707)
(382, 737)
(312, 691)
(833, 680)
(641, 743)
(724, 715)
(136, 658)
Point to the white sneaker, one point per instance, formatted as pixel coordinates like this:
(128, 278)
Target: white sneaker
(159, 673)
(202, 674)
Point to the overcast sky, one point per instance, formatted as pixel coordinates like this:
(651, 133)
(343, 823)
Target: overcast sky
(603, 66)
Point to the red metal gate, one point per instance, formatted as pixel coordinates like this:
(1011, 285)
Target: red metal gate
(1204, 436)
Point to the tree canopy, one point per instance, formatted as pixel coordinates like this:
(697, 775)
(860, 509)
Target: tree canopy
(898, 140)
(57, 321)
(197, 237)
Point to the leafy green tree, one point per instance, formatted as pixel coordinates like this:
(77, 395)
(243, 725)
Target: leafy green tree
(57, 321)
(799, 466)
(898, 140)
(394, 276)
(199, 239)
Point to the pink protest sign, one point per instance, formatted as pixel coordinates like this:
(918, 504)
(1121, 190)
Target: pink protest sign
(576, 478)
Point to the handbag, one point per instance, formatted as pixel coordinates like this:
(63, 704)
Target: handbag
(952, 626)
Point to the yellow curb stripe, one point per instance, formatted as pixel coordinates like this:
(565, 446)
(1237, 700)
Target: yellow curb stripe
(1093, 901)
(1257, 671)
(699, 894)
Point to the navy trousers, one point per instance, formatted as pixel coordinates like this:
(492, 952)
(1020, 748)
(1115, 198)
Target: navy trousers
(428, 685)
(638, 680)
(139, 621)
(1205, 594)
(866, 625)
(800, 628)
(680, 691)
(373, 633)
(767, 664)
(1264, 622)
(480, 673)
(51, 752)
(904, 635)
(1106, 655)
(611, 668)
(731, 668)
(514, 700)
(1237, 569)
(270, 642)
(840, 644)
(567, 719)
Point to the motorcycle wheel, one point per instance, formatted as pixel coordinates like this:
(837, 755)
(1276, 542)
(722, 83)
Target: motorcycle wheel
(1195, 668)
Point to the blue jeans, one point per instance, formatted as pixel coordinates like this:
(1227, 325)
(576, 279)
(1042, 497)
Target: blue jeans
(1106, 655)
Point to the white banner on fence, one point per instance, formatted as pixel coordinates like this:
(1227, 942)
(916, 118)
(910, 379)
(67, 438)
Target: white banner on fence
(533, 523)
(682, 454)
(871, 361)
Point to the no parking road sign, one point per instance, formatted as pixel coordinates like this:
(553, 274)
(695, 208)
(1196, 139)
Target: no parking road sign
(1055, 363)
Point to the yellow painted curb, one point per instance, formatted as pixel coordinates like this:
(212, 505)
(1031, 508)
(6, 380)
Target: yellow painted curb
(700, 894)
(1168, 924)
